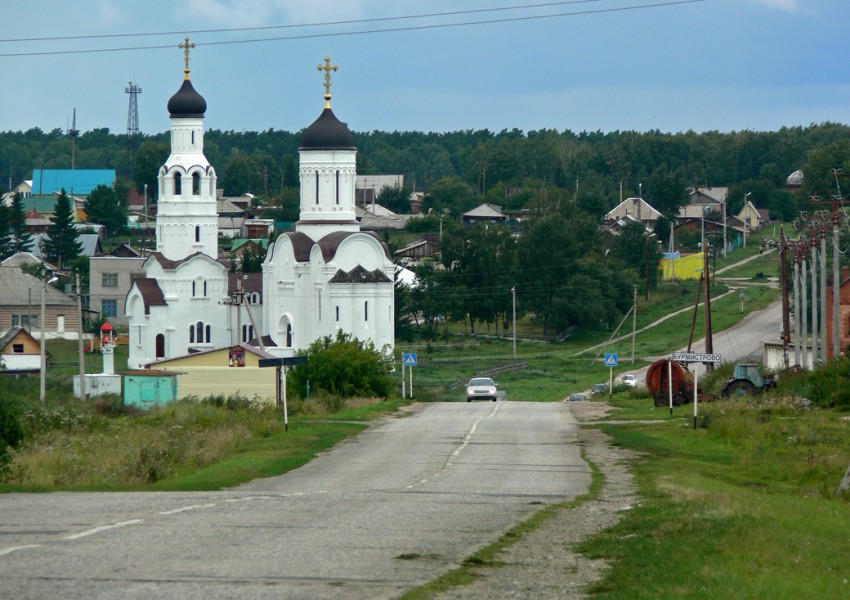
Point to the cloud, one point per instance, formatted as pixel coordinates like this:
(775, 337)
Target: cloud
(786, 5)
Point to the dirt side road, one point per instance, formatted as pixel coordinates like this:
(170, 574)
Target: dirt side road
(542, 564)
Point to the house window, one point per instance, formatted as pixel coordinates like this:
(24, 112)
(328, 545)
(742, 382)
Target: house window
(28, 322)
(178, 184)
(109, 308)
(109, 280)
(18, 348)
(196, 182)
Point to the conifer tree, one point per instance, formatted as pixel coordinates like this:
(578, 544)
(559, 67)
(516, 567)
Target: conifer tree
(63, 245)
(5, 242)
(19, 238)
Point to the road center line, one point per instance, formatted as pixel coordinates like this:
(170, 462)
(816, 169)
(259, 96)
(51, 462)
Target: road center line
(104, 528)
(185, 508)
(11, 549)
(466, 439)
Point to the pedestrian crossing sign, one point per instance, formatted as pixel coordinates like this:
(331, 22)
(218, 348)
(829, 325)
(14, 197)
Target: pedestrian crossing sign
(611, 360)
(410, 359)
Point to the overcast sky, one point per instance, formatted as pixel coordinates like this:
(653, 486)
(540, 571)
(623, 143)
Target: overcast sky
(590, 65)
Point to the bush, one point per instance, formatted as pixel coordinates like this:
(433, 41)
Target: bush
(344, 367)
(826, 387)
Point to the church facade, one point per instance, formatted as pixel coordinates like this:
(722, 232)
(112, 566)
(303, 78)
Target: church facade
(324, 277)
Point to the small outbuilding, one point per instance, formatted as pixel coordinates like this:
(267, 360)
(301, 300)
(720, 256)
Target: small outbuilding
(19, 352)
(229, 371)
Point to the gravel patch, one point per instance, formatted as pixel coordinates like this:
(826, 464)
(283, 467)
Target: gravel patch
(542, 564)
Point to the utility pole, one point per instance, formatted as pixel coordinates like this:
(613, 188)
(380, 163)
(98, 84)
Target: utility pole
(813, 256)
(835, 202)
(80, 354)
(709, 341)
(634, 323)
(513, 297)
(783, 275)
(797, 348)
(804, 309)
(823, 304)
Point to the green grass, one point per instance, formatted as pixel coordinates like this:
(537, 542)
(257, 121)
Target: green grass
(741, 508)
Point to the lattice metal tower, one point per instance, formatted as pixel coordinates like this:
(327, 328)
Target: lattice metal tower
(132, 123)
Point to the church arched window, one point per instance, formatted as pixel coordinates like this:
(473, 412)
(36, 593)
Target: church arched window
(199, 332)
(205, 289)
(197, 233)
(193, 138)
(247, 333)
(366, 311)
(209, 334)
(178, 184)
(289, 335)
(337, 186)
(160, 345)
(317, 187)
(196, 184)
(191, 334)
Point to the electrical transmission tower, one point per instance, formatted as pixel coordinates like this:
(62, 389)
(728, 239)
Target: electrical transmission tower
(73, 132)
(132, 123)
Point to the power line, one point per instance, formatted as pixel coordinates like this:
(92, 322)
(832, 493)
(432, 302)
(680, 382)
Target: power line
(295, 26)
(357, 33)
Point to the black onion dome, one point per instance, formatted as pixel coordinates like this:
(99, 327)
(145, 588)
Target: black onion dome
(327, 133)
(187, 102)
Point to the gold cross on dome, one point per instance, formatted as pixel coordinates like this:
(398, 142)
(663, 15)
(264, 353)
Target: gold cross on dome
(186, 46)
(327, 68)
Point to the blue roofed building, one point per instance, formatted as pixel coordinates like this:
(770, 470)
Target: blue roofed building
(77, 182)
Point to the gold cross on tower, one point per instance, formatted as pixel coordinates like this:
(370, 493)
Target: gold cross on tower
(186, 46)
(327, 68)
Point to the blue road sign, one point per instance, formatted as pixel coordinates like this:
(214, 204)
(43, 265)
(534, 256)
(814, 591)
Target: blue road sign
(410, 359)
(612, 360)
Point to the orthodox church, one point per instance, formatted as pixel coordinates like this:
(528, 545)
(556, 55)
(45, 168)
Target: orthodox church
(323, 277)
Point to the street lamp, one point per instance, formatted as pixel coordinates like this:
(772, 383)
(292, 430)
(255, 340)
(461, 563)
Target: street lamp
(43, 370)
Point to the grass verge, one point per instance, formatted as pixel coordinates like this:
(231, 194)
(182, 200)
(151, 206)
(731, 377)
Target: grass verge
(740, 508)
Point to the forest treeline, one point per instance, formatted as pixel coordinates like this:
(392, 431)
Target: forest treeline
(458, 169)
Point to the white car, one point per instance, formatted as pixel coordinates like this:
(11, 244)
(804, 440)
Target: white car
(481, 388)
(629, 380)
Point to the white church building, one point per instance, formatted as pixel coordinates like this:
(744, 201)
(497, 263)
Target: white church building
(323, 277)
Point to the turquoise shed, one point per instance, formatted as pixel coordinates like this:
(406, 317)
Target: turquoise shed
(149, 389)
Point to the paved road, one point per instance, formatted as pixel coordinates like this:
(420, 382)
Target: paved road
(388, 510)
(747, 337)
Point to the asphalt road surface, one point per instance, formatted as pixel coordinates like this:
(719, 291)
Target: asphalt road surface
(388, 510)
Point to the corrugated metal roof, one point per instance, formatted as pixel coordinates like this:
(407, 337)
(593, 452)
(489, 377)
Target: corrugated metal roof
(73, 181)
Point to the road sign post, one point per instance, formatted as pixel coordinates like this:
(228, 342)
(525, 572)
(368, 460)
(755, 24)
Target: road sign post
(611, 361)
(694, 357)
(410, 362)
(280, 364)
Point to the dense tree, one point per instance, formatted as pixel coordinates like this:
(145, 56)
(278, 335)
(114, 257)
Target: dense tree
(452, 195)
(343, 366)
(147, 160)
(104, 206)
(394, 198)
(63, 244)
(668, 191)
(640, 252)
